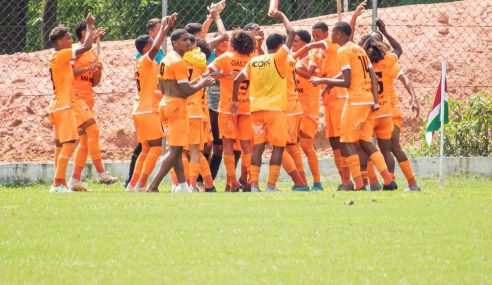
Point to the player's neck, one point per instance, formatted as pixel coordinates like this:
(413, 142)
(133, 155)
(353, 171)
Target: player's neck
(344, 41)
(181, 53)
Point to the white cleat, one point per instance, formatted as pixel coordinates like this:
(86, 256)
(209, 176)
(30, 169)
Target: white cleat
(77, 186)
(130, 188)
(271, 189)
(59, 189)
(255, 188)
(105, 178)
(139, 189)
(182, 189)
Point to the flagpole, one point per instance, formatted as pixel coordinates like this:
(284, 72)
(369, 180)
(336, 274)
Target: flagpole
(441, 150)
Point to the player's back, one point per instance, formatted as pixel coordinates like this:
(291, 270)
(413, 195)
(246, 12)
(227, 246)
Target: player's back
(330, 67)
(147, 78)
(353, 57)
(384, 70)
(195, 101)
(62, 77)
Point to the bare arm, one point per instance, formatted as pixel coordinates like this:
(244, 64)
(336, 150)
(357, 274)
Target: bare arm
(407, 82)
(188, 88)
(167, 23)
(397, 49)
(87, 45)
(343, 82)
(302, 52)
(357, 13)
(288, 28)
(374, 88)
(97, 74)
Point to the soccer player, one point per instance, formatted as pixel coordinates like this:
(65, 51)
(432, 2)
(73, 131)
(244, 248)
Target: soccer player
(145, 112)
(258, 34)
(324, 59)
(268, 93)
(62, 115)
(357, 116)
(237, 127)
(153, 27)
(87, 70)
(173, 108)
(200, 31)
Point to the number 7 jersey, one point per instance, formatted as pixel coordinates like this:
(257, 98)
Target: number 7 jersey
(353, 57)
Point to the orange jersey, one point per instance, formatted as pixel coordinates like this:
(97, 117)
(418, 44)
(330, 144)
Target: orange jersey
(230, 62)
(174, 67)
(293, 104)
(396, 72)
(195, 108)
(268, 87)
(330, 68)
(147, 77)
(82, 84)
(62, 78)
(386, 89)
(308, 93)
(354, 58)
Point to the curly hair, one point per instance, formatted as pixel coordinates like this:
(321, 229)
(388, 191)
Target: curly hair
(243, 42)
(375, 49)
(58, 33)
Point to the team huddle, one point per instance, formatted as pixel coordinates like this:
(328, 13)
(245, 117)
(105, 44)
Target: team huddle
(226, 98)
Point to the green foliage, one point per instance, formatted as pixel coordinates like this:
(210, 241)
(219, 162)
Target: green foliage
(469, 132)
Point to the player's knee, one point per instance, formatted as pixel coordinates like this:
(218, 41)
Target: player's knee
(92, 131)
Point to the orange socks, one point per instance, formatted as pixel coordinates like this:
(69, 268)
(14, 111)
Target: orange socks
(337, 157)
(345, 171)
(295, 152)
(353, 163)
(93, 147)
(57, 154)
(194, 171)
(406, 168)
(308, 148)
(290, 167)
(139, 165)
(230, 165)
(373, 178)
(205, 172)
(378, 160)
(149, 164)
(245, 165)
(273, 174)
(80, 158)
(61, 166)
(255, 173)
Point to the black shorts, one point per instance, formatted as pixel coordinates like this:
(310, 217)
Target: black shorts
(214, 123)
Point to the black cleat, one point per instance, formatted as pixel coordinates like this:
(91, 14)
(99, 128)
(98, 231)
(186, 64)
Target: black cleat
(210, 189)
(345, 187)
(390, 187)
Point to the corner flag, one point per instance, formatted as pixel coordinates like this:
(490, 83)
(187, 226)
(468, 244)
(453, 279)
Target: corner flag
(434, 122)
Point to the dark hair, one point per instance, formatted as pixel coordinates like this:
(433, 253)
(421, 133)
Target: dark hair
(243, 42)
(81, 26)
(192, 39)
(141, 42)
(152, 23)
(304, 35)
(363, 39)
(321, 26)
(204, 47)
(193, 28)
(176, 35)
(344, 28)
(249, 26)
(375, 49)
(273, 41)
(58, 32)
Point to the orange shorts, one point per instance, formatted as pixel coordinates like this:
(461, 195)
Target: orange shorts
(82, 111)
(270, 126)
(357, 123)
(397, 118)
(195, 134)
(238, 127)
(333, 117)
(64, 125)
(148, 127)
(293, 125)
(174, 118)
(309, 126)
(383, 128)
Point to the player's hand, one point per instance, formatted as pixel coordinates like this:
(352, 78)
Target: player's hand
(234, 108)
(90, 20)
(98, 33)
(231, 74)
(416, 108)
(360, 9)
(381, 25)
(375, 107)
(276, 14)
(221, 6)
(316, 81)
(207, 81)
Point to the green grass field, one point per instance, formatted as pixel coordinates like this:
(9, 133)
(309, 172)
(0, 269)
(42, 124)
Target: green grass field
(112, 237)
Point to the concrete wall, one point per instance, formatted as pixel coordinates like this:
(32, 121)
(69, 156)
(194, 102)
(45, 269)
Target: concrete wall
(23, 173)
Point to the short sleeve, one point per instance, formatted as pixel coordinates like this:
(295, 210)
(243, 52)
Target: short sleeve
(392, 58)
(247, 70)
(217, 64)
(180, 71)
(343, 59)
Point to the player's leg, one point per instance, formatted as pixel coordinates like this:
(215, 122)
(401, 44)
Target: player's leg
(290, 167)
(216, 158)
(227, 127)
(403, 161)
(136, 152)
(275, 128)
(245, 135)
(306, 135)
(383, 129)
(155, 150)
(259, 137)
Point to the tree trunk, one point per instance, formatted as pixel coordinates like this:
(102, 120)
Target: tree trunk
(13, 26)
(48, 22)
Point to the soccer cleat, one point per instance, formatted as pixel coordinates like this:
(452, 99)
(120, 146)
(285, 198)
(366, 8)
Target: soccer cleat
(138, 188)
(77, 186)
(180, 189)
(59, 189)
(255, 188)
(317, 187)
(271, 189)
(209, 190)
(105, 178)
(345, 187)
(390, 187)
(412, 188)
(200, 187)
(131, 188)
(375, 187)
(300, 188)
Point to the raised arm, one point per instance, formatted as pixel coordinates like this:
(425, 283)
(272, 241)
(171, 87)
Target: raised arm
(394, 43)
(288, 28)
(407, 82)
(357, 13)
(87, 45)
(167, 23)
(302, 52)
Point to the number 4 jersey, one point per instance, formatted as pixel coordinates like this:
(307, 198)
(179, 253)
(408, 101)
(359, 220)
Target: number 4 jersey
(353, 57)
